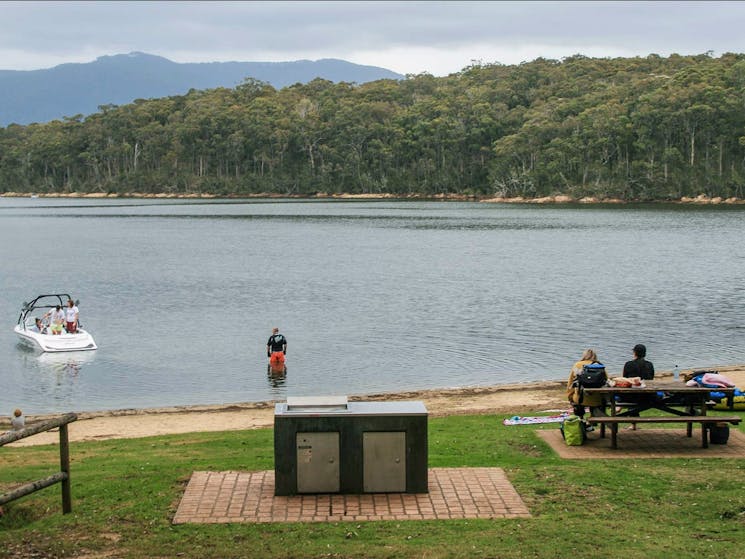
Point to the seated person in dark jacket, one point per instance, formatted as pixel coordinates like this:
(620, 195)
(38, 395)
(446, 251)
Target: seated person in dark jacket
(639, 367)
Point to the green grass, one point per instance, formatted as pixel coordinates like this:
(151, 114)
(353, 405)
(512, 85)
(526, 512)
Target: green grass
(125, 493)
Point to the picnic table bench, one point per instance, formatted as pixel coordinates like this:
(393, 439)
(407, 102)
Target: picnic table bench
(674, 394)
(704, 420)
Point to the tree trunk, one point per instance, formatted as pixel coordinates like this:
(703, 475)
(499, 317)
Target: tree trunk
(693, 146)
(721, 158)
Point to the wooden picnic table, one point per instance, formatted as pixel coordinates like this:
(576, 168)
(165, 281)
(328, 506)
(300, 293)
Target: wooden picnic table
(664, 396)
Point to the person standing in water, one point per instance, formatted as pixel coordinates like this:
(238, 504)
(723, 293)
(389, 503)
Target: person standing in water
(276, 347)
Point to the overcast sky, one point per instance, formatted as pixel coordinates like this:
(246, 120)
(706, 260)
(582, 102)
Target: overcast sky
(407, 37)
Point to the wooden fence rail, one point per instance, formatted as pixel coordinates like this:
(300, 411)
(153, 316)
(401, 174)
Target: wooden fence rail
(62, 477)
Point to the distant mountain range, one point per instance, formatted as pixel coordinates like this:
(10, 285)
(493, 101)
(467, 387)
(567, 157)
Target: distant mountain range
(28, 96)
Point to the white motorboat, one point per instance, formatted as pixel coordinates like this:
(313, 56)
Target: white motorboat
(30, 334)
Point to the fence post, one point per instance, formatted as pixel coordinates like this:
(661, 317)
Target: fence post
(64, 458)
(62, 476)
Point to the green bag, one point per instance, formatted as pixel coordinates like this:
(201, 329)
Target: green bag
(573, 431)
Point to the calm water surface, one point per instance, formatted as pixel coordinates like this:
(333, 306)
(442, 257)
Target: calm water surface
(372, 296)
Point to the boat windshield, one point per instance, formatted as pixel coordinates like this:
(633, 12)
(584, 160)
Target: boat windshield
(39, 306)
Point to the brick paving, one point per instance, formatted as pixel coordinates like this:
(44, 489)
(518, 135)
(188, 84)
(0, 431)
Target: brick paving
(221, 497)
(646, 443)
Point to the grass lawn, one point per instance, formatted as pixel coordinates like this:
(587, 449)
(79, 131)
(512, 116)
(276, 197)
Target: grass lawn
(125, 493)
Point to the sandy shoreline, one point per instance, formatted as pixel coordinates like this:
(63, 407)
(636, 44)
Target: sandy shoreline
(518, 399)
(701, 199)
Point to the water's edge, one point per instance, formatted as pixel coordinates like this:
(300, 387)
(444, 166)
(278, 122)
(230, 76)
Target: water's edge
(558, 385)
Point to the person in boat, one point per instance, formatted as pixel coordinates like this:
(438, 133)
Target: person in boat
(276, 347)
(56, 320)
(71, 317)
(39, 326)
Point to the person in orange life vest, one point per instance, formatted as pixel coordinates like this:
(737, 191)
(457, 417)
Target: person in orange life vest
(276, 347)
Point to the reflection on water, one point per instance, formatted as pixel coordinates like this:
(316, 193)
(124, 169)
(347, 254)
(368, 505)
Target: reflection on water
(277, 376)
(68, 362)
(50, 377)
(60, 364)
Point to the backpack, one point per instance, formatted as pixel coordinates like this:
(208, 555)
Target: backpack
(592, 376)
(573, 431)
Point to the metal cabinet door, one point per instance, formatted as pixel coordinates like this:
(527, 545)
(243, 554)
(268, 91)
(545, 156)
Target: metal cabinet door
(318, 462)
(384, 462)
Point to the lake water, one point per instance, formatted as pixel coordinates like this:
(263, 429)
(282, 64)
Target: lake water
(373, 297)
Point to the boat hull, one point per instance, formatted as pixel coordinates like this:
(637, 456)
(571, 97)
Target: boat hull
(80, 341)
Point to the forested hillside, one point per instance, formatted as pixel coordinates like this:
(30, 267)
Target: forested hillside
(630, 128)
(68, 89)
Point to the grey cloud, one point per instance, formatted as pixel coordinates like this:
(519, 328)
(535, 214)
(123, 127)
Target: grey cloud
(341, 27)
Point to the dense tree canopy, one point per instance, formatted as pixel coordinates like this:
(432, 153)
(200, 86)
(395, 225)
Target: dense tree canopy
(631, 128)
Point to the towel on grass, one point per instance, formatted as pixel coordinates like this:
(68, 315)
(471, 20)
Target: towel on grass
(518, 420)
